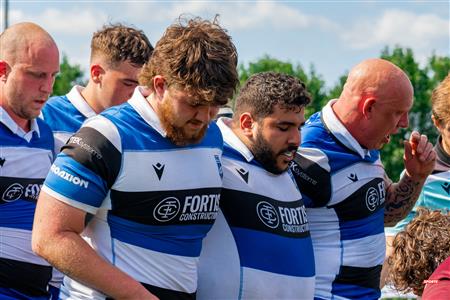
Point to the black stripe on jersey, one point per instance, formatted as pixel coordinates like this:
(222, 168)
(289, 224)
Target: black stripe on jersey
(367, 200)
(257, 212)
(312, 179)
(166, 294)
(94, 151)
(27, 278)
(364, 277)
(13, 188)
(178, 207)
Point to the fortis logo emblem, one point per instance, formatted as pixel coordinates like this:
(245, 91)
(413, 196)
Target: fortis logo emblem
(267, 214)
(167, 209)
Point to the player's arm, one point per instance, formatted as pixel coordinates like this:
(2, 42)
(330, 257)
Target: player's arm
(56, 237)
(419, 159)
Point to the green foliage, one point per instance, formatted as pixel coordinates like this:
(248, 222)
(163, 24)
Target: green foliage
(69, 75)
(424, 80)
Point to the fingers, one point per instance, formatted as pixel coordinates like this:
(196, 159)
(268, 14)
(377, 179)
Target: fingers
(419, 146)
(408, 150)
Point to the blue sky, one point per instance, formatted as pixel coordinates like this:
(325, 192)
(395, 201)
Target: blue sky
(332, 35)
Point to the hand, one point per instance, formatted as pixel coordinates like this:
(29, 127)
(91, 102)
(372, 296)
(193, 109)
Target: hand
(419, 157)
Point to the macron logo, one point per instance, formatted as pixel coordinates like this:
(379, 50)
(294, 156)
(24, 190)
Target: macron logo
(69, 177)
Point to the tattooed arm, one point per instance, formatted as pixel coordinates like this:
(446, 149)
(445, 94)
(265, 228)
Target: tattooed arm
(419, 161)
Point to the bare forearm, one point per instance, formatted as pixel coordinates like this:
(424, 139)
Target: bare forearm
(400, 199)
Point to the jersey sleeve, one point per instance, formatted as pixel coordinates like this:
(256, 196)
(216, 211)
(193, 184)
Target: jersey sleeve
(87, 167)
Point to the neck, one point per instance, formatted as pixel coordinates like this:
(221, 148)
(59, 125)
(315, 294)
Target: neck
(22, 123)
(349, 118)
(90, 94)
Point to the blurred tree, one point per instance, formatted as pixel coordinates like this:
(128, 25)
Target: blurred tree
(69, 75)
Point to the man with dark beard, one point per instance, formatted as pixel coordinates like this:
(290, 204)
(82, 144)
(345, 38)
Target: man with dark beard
(260, 247)
(147, 172)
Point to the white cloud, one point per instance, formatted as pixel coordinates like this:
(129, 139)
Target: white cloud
(418, 31)
(73, 22)
(233, 15)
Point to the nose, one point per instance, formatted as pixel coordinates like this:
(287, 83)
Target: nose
(404, 121)
(205, 113)
(294, 137)
(47, 85)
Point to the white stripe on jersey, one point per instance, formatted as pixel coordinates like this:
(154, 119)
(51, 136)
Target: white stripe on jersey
(61, 138)
(354, 257)
(79, 205)
(315, 155)
(107, 128)
(344, 187)
(259, 181)
(26, 162)
(16, 244)
(179, 165)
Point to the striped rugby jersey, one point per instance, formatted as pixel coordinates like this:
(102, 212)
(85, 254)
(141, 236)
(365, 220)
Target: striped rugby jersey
(25, 159)
(152, 202)
(260, 246)
(343, 186)
(65, 115)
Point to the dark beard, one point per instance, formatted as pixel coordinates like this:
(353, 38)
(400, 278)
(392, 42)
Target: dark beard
(175, 134)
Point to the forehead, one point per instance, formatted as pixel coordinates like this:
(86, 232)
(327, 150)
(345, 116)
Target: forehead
(43, 59)
(295, 116)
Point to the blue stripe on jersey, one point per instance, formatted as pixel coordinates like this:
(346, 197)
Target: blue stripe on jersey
(372, 225)
(316, 135)
(149, 139)
(75, 181)
(56, 113)
(232, 153)
(18, 214)
(286, 258)
(355, 292)
(11, 294)
(45, 141)
(183, 240)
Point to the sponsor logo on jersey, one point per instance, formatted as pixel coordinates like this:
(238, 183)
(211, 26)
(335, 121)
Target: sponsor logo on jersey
(375, 196)
(16, 191)
(291, 219)
(193, 208)
(69, 177)
(79, 141)
(295, 168)
(167, 209)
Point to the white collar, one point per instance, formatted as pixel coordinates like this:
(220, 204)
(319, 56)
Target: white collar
(6, 119)
(339, 131)
(232, 139)
(145, 110)
(79, 102)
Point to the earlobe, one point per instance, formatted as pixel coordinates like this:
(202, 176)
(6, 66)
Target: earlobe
(367, 107)
(4, 70)
(437, 124)
(159, 86)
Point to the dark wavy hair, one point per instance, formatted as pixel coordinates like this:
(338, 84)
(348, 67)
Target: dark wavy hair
(198, 57)
(419, 249)
(262, 91)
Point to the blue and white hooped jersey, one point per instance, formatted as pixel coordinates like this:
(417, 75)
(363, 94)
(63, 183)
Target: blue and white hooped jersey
(65, 115)
(260, 246)
(435, 192)
(152, 202)
(343, 186)
(25, 159)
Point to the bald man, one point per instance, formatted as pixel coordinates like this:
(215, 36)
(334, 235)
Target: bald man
(348, 194)
(29, 62)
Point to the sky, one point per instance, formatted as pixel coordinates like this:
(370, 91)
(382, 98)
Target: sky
(331, 35)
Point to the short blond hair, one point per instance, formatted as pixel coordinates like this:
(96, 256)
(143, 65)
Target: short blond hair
(440, 101)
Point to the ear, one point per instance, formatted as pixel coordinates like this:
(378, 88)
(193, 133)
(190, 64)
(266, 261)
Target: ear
(4, 70)
(159, 86)
(97, 73)
(247, 123)
(437, 124)
(367, 106)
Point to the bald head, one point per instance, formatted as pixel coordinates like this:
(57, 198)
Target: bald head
(375, 102)
(379, 78)
(17, 40)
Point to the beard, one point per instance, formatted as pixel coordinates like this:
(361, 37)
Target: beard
(178, 134)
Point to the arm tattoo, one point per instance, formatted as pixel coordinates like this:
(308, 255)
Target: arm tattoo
(400, 199)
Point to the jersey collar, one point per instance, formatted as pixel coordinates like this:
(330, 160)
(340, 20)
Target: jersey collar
(232, 140)
(6, 119)
(79, 102)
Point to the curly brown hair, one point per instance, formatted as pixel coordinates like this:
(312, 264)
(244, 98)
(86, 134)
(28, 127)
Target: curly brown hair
(196, 56)
(262, 91)
(419, 249)
(118, 43)
(440, 101)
